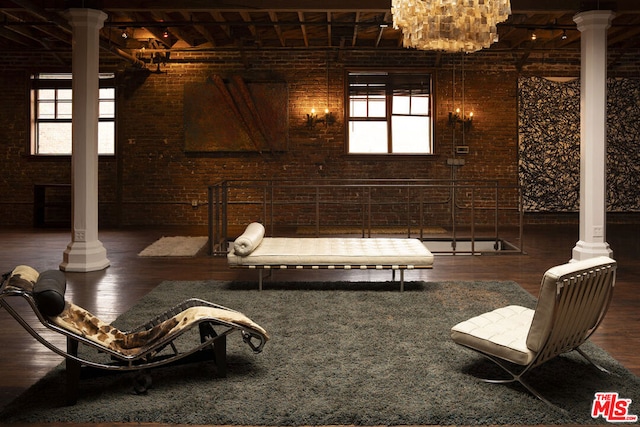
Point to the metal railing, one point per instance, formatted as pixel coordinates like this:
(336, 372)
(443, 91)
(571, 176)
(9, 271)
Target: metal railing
(462, 211)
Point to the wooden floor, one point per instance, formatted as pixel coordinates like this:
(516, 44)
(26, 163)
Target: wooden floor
(112, 291)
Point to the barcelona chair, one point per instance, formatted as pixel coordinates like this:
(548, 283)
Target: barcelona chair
(572, 301)
(90, 342)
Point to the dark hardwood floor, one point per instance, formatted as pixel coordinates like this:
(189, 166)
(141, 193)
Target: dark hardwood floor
(112, 291)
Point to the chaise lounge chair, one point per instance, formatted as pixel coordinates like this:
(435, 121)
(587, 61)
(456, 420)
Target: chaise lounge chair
(573, 300)
(103, 346)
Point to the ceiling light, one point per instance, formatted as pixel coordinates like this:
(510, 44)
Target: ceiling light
(449, 25)
(564, 35)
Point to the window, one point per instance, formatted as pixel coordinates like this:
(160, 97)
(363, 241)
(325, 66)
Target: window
(389, 113)
(51, 114)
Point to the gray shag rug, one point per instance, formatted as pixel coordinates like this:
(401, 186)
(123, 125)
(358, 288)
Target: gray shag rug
(340, 353)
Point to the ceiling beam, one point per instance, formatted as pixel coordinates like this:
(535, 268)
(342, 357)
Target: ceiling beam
(176, 31)
(572, 6)
(247, 18)
(225, 28)
(517, 6)
(382, 28)
(247, 5)
(354, 39)
(201, 29)
(274, 18)
(303, 28)
(329, 35)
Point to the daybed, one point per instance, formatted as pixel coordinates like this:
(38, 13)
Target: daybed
(253, 250)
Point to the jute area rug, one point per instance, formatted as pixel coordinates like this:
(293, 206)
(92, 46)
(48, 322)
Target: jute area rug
(175, 246)
(340, 354)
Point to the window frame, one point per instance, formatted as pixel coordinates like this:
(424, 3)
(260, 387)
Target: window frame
(63, 81)
(394, 80)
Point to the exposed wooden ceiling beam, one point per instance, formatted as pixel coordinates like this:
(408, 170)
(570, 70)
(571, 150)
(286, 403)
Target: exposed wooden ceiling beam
(517, 6)
(329, 35)
(382, 28)
(225, 28)
(201, 29)
(303, 28)
(300, 23)
(247, 18)
(354, 39)
(248, 5)
(274, 18)
(176, 31)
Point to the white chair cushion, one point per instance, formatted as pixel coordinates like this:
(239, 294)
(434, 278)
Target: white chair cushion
(501, 333)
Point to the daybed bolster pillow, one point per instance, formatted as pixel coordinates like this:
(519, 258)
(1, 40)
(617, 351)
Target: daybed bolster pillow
(48, 292)
(249, 240)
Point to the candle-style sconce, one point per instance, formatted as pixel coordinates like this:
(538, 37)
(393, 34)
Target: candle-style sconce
(313, 119)
(456, 117)
(154, 56)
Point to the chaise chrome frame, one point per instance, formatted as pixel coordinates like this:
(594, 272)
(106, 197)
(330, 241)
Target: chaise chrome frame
(150, 356)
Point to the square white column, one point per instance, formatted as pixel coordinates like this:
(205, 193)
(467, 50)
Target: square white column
(85, 252)
(593, 27)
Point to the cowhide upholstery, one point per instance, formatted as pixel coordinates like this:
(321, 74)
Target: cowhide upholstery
(23, 277)
(81, 322)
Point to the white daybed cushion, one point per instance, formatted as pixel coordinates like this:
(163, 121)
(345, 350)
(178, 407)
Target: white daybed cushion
(309, 251)
(249, 240)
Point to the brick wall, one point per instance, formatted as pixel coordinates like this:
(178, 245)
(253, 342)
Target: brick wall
(153, 181)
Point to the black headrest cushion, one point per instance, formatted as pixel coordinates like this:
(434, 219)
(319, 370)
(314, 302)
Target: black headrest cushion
(49, 292)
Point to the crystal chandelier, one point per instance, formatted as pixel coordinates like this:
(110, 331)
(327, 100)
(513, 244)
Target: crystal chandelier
(449, 25)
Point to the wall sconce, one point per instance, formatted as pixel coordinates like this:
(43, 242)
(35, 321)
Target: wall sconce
(456, 117)
(312, 118)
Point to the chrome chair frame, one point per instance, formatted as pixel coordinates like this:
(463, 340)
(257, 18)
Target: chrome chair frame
(581, 301)
(147, 357)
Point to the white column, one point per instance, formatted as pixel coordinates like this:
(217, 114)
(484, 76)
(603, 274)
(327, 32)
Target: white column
(593, 27)
(85, 252)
